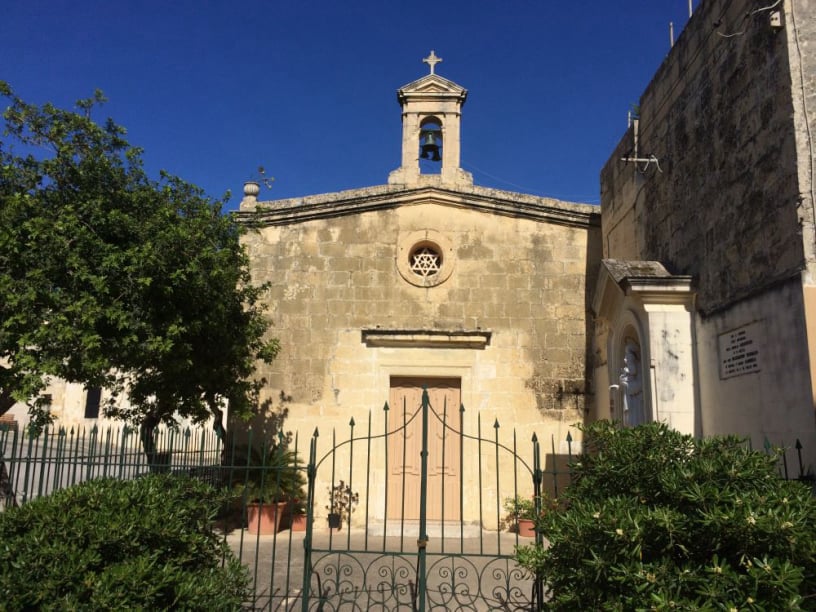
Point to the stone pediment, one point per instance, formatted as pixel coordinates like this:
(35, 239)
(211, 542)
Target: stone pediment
(432, 83)
(384, 197)
(645, 279)
(431, 86)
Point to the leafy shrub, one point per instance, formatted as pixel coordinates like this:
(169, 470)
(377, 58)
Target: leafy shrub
(519, 508)
(106, 544)
(658, 520)
(268, 473)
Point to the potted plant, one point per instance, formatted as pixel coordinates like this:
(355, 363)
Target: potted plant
(297, 514)
(342, 502)
(270, 480)
(521, 514)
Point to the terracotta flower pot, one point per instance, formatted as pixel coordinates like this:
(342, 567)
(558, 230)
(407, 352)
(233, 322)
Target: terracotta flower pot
(526, 528)
(264, 519)
(298, 522)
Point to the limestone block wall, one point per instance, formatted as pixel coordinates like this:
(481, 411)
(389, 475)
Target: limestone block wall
(800, 20)
(729, 201)
(799, 14)
(725, 205)
(521, 280)
(772, 398)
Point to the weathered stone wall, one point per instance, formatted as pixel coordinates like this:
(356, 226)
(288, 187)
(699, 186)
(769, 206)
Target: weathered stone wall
(520, 279)
(725, 203)
(773, 401)
(517, 278)
(800, 20)
(801, 16)
(729, 117)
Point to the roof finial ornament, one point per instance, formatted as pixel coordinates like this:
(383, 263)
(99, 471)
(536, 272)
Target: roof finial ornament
(432, 61)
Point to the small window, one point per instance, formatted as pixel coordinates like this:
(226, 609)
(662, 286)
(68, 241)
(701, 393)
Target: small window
(426, 260)
(92, 401)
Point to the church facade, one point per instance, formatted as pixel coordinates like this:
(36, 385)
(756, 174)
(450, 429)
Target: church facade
(427, 281)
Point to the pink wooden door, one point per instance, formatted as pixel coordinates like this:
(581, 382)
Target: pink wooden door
(443, 448)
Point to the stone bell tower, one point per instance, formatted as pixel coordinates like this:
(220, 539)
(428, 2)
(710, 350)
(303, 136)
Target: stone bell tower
(431, 114)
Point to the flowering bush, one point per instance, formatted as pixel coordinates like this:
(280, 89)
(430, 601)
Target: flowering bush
(654, 519)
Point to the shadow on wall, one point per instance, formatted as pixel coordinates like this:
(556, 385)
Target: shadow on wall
(594, 254)
(268, 420)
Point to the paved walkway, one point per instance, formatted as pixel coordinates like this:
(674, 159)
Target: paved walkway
(354, 570)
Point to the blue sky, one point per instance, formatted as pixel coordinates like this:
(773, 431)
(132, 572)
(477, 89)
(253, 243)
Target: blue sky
(306, 88)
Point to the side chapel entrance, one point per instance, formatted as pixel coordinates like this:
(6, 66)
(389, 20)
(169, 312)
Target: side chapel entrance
(404, 470)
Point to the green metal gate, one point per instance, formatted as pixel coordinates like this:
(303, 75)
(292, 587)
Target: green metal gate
(374, 562)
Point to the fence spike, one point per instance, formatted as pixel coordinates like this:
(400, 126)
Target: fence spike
(461, 408)
(798, 444)
(385, 407)
(351, 422)
(534, 438)
(316, 433)
(187, 433)
(496, 424)
(569, 436)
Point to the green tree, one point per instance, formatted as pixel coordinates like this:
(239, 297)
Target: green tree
(657, 520)
(116, 280)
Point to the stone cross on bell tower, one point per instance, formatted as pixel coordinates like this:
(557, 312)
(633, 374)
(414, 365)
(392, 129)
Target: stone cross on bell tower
(432, 60)
(432, 104)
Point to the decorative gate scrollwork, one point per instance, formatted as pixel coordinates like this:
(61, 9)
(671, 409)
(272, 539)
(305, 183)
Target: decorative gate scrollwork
(380, 565)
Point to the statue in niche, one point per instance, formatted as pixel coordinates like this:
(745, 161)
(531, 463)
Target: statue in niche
(631, 382)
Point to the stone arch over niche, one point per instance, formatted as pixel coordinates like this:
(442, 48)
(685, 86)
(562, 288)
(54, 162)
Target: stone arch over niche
(642, 302)
(633, 379)
(632, 371)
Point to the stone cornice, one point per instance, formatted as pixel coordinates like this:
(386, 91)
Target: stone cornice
(426, 338)
(383, 197)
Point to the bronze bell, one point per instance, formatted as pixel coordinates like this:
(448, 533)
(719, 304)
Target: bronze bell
(430, 148)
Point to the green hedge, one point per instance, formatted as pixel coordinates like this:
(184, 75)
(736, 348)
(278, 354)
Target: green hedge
(655, 520)
(107, 544)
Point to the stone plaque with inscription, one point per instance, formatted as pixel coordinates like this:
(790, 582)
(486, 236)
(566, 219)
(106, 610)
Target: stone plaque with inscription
(739, 352)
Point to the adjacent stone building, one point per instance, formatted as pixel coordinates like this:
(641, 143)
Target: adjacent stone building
(427, 281)
(708, 233)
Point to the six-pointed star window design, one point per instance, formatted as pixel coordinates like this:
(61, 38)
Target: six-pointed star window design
(425, 261)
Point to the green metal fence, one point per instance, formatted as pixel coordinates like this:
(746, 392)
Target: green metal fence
(379, 559)
(284, 561)
(59, 457)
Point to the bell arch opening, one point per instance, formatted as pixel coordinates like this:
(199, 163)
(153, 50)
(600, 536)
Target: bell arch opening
(430, 146)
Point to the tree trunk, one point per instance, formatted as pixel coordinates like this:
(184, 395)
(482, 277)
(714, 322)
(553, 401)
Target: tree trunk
(6, 401)
(8, 497)
(157, 462)
(220, 433)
